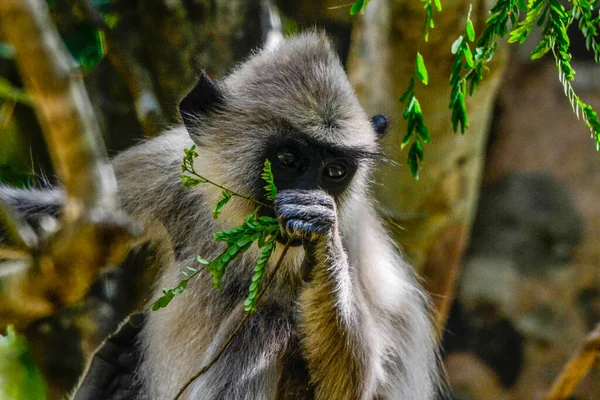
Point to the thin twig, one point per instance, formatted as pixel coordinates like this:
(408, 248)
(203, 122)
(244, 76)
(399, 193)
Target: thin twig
(238, 328)
(206, 180)
(11, 253)
(577, 367)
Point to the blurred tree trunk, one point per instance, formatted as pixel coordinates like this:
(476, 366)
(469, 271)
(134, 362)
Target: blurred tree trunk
(430, 218)
(155, 53)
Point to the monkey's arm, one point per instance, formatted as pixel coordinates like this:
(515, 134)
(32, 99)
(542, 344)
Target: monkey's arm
(336, 325)
(364, 324)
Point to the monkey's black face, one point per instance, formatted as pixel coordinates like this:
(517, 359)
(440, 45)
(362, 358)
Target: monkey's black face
(302, 165)
(298, 164)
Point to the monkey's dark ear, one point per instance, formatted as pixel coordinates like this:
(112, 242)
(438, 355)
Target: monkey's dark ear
(203, 98)
(380, 124)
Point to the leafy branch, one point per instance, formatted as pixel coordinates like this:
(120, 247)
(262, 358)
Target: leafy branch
(262, 230)
(589, 26)
(551, 15)
(194, 179)
(468, 67)
(239, 326)
(416, 131)
(555, 19)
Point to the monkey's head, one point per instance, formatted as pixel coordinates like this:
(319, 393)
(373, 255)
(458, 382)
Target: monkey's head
(293, 105)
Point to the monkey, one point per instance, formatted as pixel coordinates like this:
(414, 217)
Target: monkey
(345, 316)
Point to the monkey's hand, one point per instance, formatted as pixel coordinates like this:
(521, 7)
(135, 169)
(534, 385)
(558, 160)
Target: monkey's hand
(306, 214)
(334, 318)
(311, 216)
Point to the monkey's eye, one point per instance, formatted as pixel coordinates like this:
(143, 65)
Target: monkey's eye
(287, 158)
(335, 171)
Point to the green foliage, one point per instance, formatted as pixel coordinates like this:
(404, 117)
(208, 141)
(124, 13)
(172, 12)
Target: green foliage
(9, 175)
(11, 93)
(260, 230)
(20, 378)
(554, 19)
(86, 45)
(267, 176)
(417, 131)
(84, 41)
(588, 25)
(359, 7)
(421, 71)
(224, 200)
(429, 23)
(259, 270)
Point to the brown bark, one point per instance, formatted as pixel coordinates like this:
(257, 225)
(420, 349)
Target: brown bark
(93, 233)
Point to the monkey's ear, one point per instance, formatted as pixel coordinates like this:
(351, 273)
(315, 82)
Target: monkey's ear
(202, 99)
(380, 124)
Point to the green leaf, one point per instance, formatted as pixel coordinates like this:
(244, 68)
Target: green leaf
(541, 49)
(358, 6)
(267, 176)
(470, 31)
(21, 379)
(421, 71)
(456, 44)
(438, 5)
(468, 56)
(224, 200)
(201, 260)
(413, 163)
(418, 149)
(86, 45)
(257, 277)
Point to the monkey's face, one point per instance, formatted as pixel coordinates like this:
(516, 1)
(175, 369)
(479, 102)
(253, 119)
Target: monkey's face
(293, 106)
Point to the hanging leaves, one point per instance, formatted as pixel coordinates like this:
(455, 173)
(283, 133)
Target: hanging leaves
(359, 7)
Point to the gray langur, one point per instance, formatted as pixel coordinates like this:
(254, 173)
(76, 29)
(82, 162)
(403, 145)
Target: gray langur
(352, 322)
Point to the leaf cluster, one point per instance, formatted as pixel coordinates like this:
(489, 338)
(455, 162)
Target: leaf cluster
(417, 132)
(428, 22)
(359, 7)
(463, 61)
(554, 19)
(267, 176)
(588, 25)
(469, 66)
(260, 230)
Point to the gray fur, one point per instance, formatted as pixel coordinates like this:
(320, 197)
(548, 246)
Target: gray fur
(358, 329)
(362, 320)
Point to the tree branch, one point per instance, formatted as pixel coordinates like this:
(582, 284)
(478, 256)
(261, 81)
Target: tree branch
(577, 367)
(93, 232)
